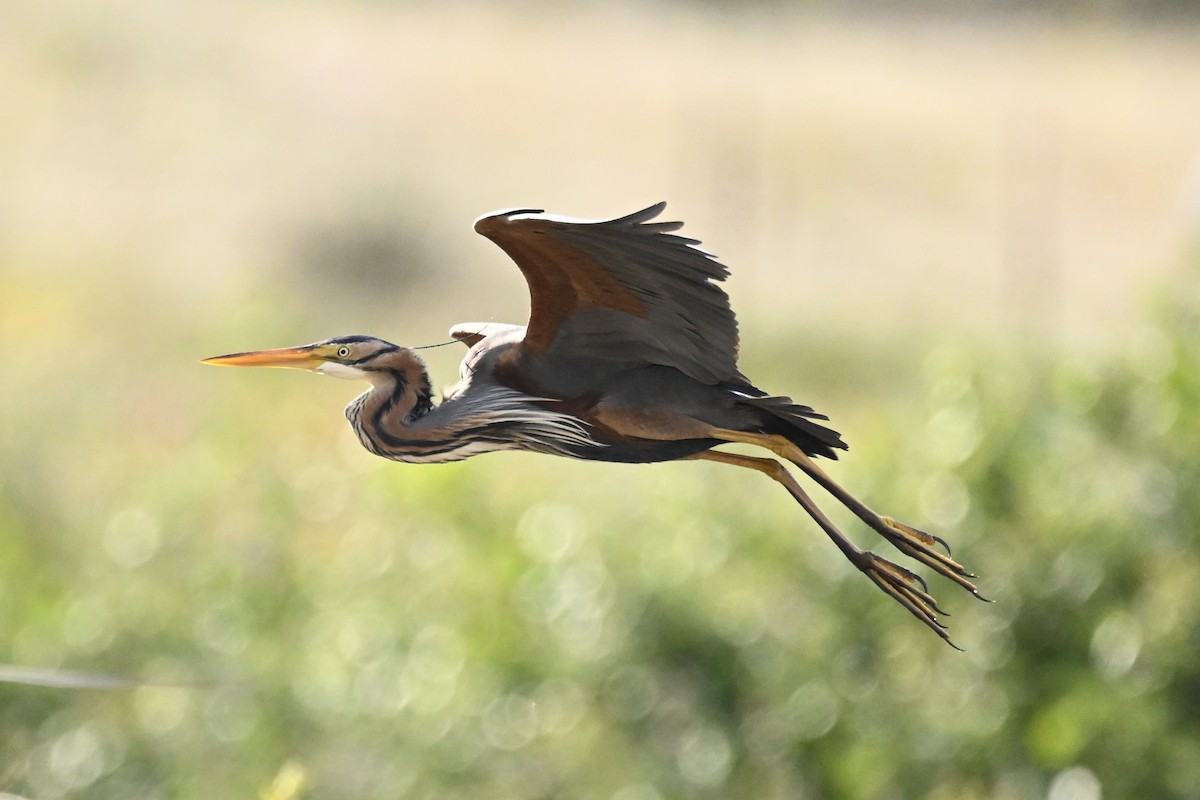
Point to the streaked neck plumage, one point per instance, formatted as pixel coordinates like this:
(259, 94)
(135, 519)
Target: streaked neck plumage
(400, 394)
(397, 419)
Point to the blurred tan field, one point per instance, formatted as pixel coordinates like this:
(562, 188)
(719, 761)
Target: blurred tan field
(970, 239)
(989, 176)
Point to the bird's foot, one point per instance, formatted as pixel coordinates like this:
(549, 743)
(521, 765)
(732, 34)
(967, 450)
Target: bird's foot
(924, 548)
(906, 587)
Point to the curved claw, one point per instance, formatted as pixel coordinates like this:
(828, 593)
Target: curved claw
(927, 539)
(911, 576)
(907, 588)
(920, 545)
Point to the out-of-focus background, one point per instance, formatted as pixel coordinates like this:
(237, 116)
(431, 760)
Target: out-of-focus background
(969, 236)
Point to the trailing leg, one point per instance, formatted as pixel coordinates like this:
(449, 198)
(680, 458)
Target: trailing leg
(904, 586)
(909, 540)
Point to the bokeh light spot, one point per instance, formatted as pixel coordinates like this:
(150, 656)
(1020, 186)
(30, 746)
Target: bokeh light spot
(548, 531)
(944, 499)
(954, 433)
(434, 664)
(637, 791)
(814, 709)
(77, 757)
(1074, 783)
(1116, 643)
(161, 709)
(1154, 489)
(1076, 574)
(224, 627)
(1057, 734)
(230, 714)
(131, 537)
(704, 756)
(510, 722)
(381, 688)
(630, 693)
(560, 705)
(321, 682)
(87, 625)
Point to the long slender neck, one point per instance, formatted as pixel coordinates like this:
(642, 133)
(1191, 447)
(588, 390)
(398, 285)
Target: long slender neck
(396, 417)
(400, 394)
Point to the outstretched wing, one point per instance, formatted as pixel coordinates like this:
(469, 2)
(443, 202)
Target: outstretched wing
(627, 292)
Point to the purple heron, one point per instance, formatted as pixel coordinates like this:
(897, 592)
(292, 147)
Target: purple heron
(630, 355)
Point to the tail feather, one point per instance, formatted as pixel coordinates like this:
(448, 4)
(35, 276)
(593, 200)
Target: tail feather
(795, 423)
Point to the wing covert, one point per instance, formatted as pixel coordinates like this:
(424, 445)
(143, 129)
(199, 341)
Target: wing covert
(627, 291)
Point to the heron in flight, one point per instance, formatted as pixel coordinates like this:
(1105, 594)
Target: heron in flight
(630, 355)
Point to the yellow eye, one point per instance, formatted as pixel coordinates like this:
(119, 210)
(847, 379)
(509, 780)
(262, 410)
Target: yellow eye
(343, 351)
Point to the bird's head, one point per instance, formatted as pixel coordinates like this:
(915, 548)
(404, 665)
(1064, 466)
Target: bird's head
(349, 357)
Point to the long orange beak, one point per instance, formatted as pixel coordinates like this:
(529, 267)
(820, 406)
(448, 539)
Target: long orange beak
(304, 357)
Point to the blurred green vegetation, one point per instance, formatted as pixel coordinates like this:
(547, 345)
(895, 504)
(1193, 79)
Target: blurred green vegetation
(311, 621)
